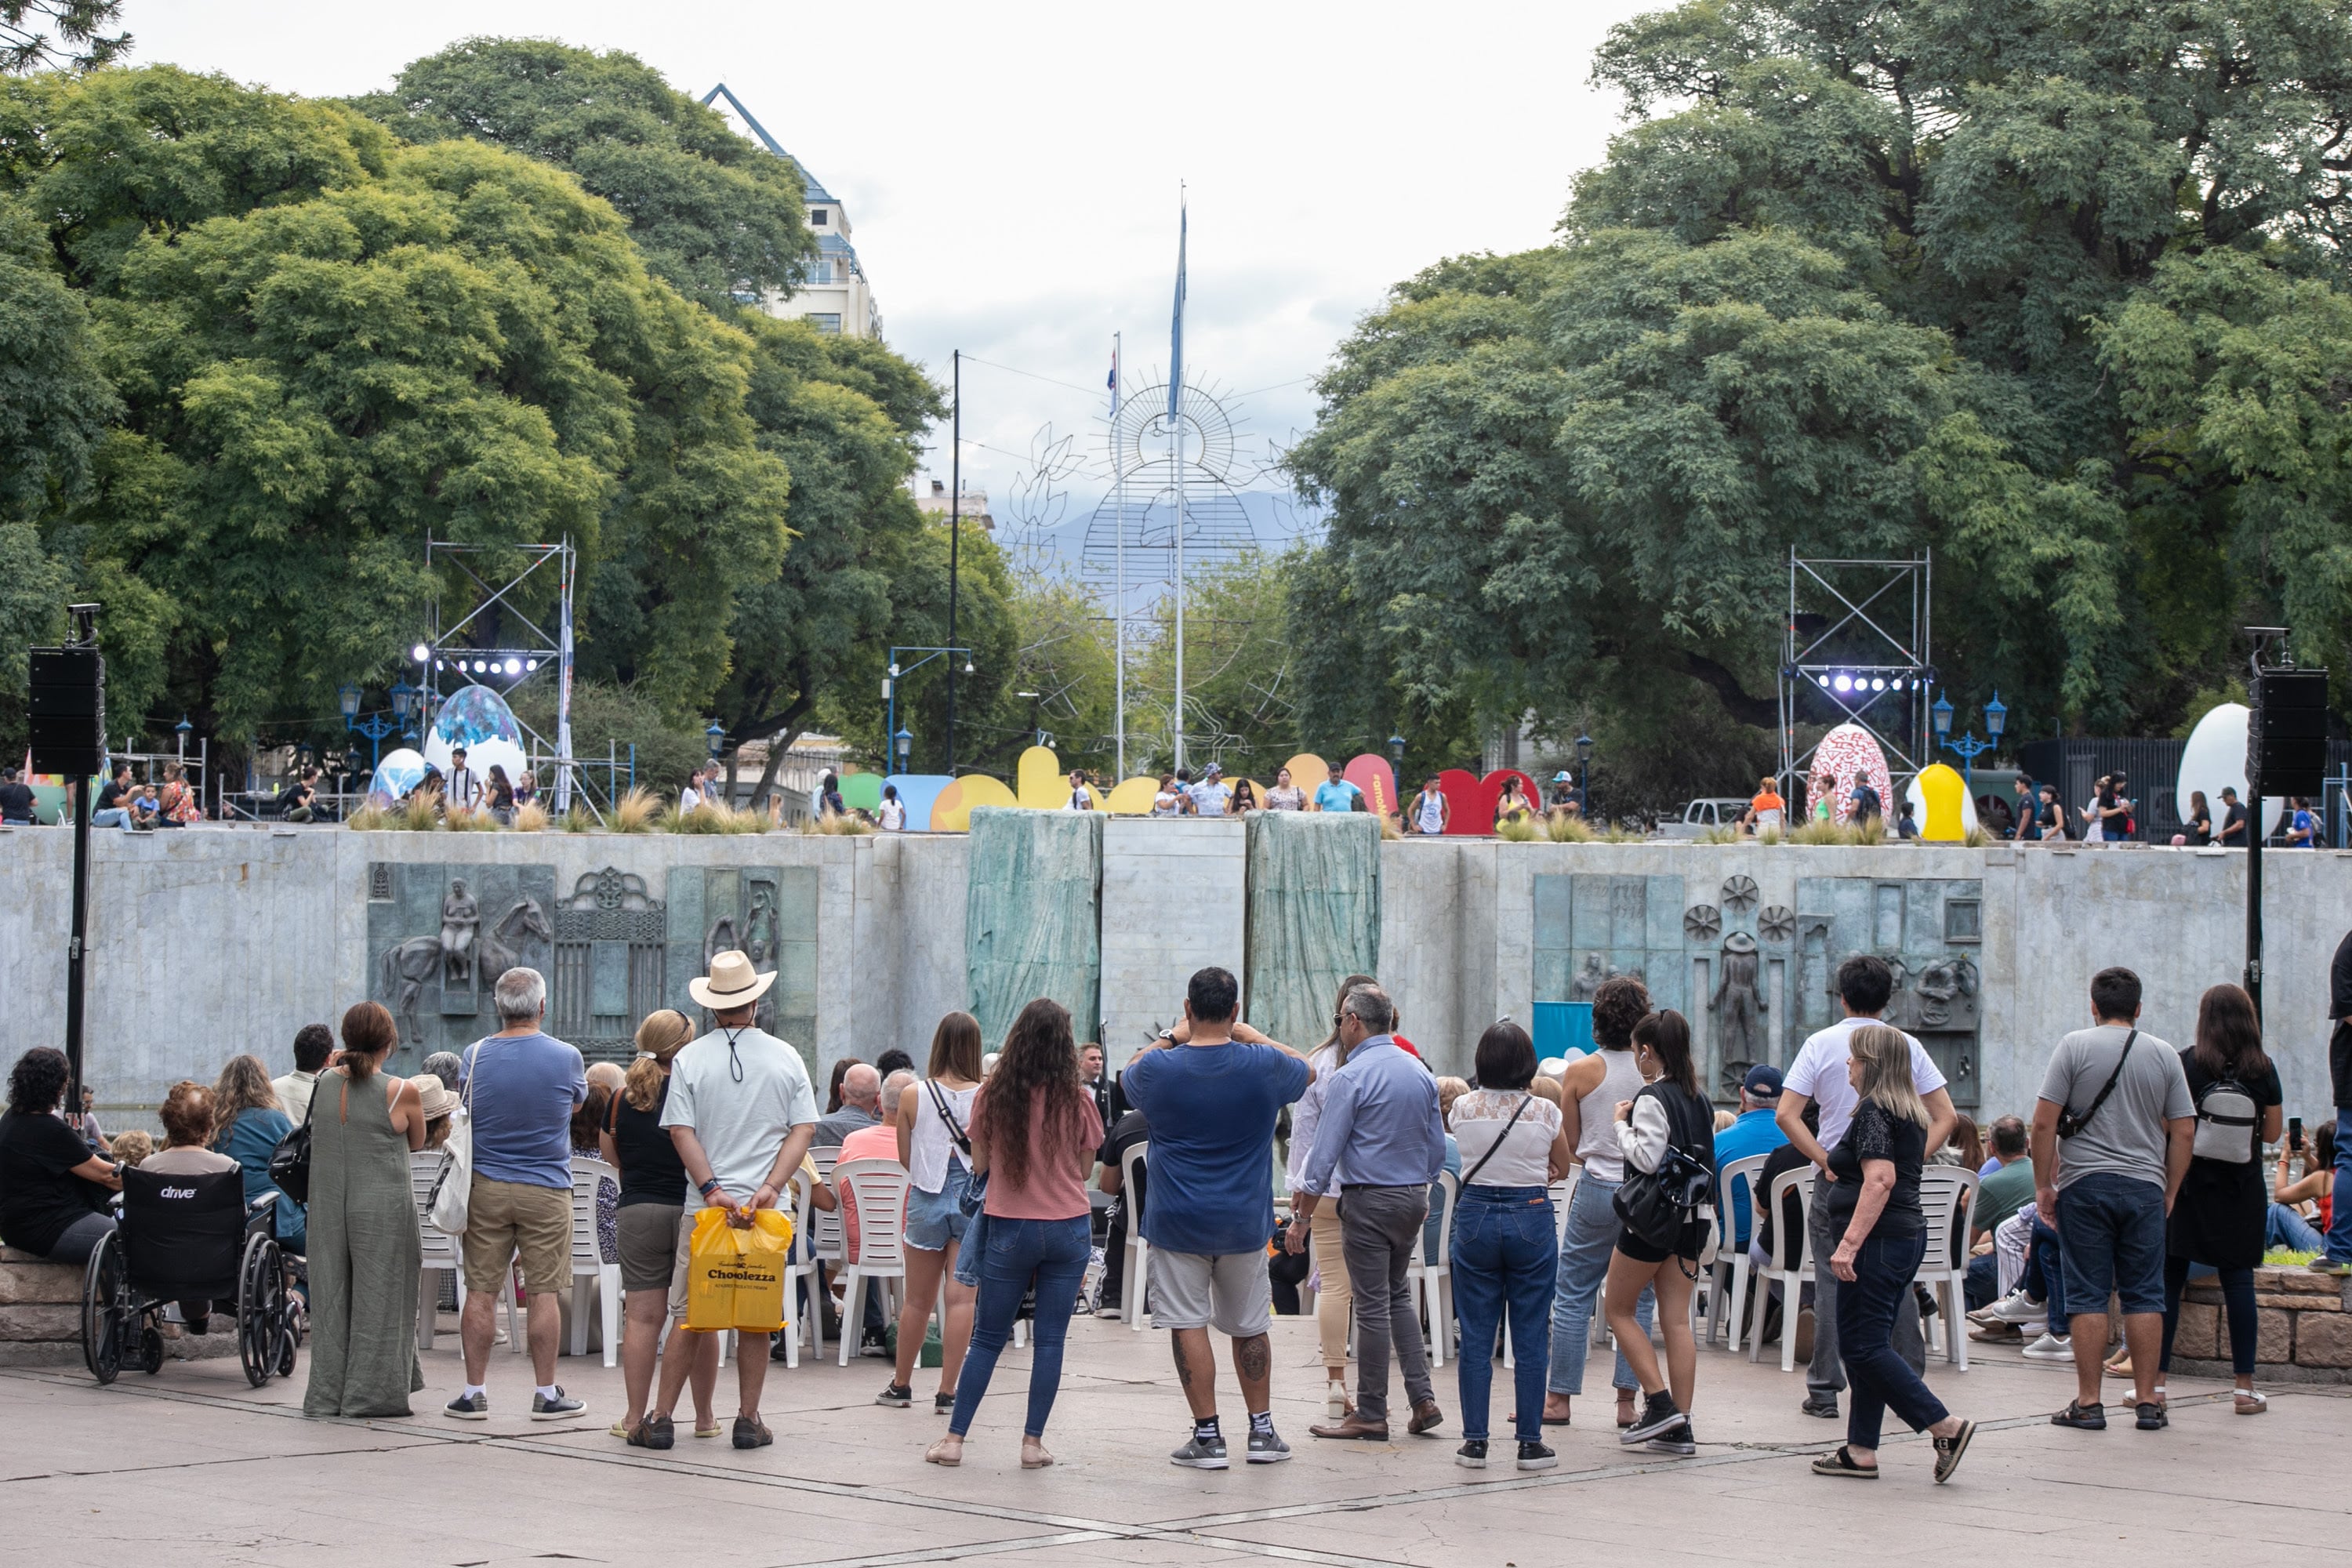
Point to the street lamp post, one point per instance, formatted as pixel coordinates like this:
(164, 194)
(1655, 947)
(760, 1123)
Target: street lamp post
(1968, 748)
(905, 743)
(1583, 775)
(375, 726)
(891, 685)
(1396, 762)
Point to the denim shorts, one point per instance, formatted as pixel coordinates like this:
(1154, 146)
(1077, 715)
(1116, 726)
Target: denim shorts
(2111, 1238)
(935, 1219)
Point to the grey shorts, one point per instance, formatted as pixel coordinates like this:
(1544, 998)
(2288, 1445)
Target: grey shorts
(1227, 1290)
(648, 1244)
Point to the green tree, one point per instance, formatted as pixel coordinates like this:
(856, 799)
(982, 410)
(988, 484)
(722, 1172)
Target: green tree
(67, 33)
(2020, 283)
(713, 213)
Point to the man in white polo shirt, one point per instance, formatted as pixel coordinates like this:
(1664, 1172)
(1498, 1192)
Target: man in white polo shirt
(1865, 985)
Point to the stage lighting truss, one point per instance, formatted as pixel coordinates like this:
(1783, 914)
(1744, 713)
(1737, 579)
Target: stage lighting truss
(1869, 661)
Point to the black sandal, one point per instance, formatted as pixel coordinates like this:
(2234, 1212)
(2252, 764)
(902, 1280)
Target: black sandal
(1841, 1464)
(1949, 1450)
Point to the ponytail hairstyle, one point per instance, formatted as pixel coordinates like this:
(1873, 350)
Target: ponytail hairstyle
(369, 1034)
(1667, 1034)
(662, 1036)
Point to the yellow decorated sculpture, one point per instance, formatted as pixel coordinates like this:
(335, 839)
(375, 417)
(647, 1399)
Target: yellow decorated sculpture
(1947, 799)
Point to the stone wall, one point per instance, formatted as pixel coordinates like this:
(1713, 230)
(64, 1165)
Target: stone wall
(2305, 1333)
(210, 941)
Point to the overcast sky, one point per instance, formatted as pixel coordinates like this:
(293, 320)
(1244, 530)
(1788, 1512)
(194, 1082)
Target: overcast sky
(1011, 170)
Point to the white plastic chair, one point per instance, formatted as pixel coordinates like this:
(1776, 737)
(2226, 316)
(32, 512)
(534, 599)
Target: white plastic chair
(878, 1188)
(830, 1243)
(1433, 1283)
(1135, 1269)
(1791, 1266)
(1947, 1197)
(1726, 1286)
(441, 1251)
(798, 1266)
(589, 1272)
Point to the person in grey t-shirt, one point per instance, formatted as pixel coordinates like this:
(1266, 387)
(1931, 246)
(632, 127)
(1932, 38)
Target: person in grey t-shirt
(2109, 1187)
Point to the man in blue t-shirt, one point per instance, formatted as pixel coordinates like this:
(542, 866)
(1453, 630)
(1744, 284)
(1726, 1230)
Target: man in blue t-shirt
(1211, 1090)
(522, 1087)
(1754, 1133)
(1336, 794)
(2303, 828)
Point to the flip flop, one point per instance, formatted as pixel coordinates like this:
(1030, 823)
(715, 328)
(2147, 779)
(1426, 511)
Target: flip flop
(1841, 1464)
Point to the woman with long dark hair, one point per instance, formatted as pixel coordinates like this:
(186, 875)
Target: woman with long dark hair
(2223, 1210)
(934, 1144)
(1035, 1130)
(1336, 1299)
(1668, 1113)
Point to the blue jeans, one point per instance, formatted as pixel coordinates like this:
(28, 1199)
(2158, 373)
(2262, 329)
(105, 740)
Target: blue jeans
(2113, 1231)
(1503, 1260)
(1053, 1253)
(2286, 1228)
(113, 816)
(1584, 1249)
(2339, 1229)
(1983, 1282)
(1878, 1378)
(2045, 1274)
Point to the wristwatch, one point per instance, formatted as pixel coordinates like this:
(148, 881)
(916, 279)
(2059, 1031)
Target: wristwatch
(709, 1187)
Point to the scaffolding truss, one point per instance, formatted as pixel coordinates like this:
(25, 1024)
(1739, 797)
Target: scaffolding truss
(1856, 642)
(451, 651)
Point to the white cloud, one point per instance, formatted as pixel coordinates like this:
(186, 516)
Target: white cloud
(1011, 170)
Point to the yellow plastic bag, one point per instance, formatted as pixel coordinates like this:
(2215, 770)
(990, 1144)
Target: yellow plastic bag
(735, 1275)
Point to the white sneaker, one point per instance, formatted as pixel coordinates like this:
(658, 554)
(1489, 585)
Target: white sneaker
(2050, 1347)
(2014, 1308)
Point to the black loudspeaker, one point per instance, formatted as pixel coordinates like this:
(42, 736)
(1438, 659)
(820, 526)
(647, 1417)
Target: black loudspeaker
(66, 712)
(2286, 741)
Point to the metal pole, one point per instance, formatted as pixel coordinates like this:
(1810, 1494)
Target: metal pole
(955, 531)
(2255, 895)
(563, 692)
(1177, 429)
(1118, 555)
(76, 946)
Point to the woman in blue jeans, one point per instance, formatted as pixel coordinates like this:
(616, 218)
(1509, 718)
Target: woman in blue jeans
(1875, 1197)
(1513, 1148)
(1035, 1130)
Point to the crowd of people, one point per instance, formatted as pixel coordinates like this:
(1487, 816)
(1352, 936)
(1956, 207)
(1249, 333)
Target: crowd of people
(2139, 1171)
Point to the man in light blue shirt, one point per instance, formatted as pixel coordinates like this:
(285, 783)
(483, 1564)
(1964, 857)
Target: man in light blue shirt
(1210, 795)
(1336, 794)
(1755, 1132)
(1379, 1142)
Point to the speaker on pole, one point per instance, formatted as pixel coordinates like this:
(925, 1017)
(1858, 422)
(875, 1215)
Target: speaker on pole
(66, 714)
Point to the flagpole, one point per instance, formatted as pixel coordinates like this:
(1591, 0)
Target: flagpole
(1176, 432)
(1118, 574)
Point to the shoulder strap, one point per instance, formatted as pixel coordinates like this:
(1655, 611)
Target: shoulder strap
(1472, 1174)
(955, 1128)
(2121, 1056)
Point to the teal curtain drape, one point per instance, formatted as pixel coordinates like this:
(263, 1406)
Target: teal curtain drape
(1032, 926)
(1314, 917)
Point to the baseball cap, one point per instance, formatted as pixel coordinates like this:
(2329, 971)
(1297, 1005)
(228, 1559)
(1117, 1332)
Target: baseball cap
(1762, 1082)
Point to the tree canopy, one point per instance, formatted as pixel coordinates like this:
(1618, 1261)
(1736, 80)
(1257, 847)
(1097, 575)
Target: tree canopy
(2055, 292)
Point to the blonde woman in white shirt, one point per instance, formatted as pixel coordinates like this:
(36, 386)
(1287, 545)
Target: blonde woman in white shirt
(1514, 1146)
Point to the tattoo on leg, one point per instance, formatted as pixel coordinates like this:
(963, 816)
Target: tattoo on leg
(1254, 1356)
(1183, 1367)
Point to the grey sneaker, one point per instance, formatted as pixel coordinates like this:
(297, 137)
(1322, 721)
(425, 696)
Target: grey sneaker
(474, 1407)
(1202, 1454)
(542, 1409)
(1267, 1448)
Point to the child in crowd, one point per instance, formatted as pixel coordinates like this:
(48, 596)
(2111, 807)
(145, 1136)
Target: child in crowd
(129, 1147)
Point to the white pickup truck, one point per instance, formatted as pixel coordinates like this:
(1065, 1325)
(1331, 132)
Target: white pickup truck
(1705, 815)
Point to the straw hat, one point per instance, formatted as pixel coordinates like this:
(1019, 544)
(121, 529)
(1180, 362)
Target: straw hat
(438, 1101)
(733, 983)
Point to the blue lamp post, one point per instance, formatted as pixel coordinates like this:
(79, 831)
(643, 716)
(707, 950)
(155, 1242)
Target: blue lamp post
(905, 745)
(375, 726)
(1968, 748)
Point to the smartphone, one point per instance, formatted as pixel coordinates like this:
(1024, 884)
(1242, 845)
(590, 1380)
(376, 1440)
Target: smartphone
(2295, 1133)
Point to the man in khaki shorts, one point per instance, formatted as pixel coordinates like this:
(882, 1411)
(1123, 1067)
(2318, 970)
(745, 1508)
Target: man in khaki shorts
(521, 1087)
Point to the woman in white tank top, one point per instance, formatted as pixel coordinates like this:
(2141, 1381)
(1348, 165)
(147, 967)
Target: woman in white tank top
(934, 1117)
(1514, 1146)
(1590, 1089)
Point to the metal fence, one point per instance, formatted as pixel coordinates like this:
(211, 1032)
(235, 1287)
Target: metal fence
(2152, 768)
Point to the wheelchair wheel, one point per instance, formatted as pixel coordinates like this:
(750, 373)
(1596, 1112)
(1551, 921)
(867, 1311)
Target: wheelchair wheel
(150, 1350)
(105, 1309)
(261, 1307)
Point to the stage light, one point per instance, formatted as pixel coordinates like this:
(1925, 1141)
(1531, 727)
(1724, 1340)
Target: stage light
(1843, 683)
(514, 667)
(1823, 680)
(1877, 684)
(420, 653)
(531, 664)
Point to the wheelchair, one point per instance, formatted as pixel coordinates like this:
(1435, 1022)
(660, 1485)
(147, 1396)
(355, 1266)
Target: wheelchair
(194, 1239)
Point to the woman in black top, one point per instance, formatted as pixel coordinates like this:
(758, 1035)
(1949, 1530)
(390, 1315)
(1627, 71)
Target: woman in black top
(2200, 819)
(651, 1221)
(53, 1191)
(1872, 1192)
(1669, 1114)
(2223, 1209)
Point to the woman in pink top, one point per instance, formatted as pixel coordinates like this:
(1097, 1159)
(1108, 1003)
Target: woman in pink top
(1035, 1130)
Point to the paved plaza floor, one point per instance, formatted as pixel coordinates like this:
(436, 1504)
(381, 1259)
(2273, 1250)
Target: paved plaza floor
(193, 1467)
